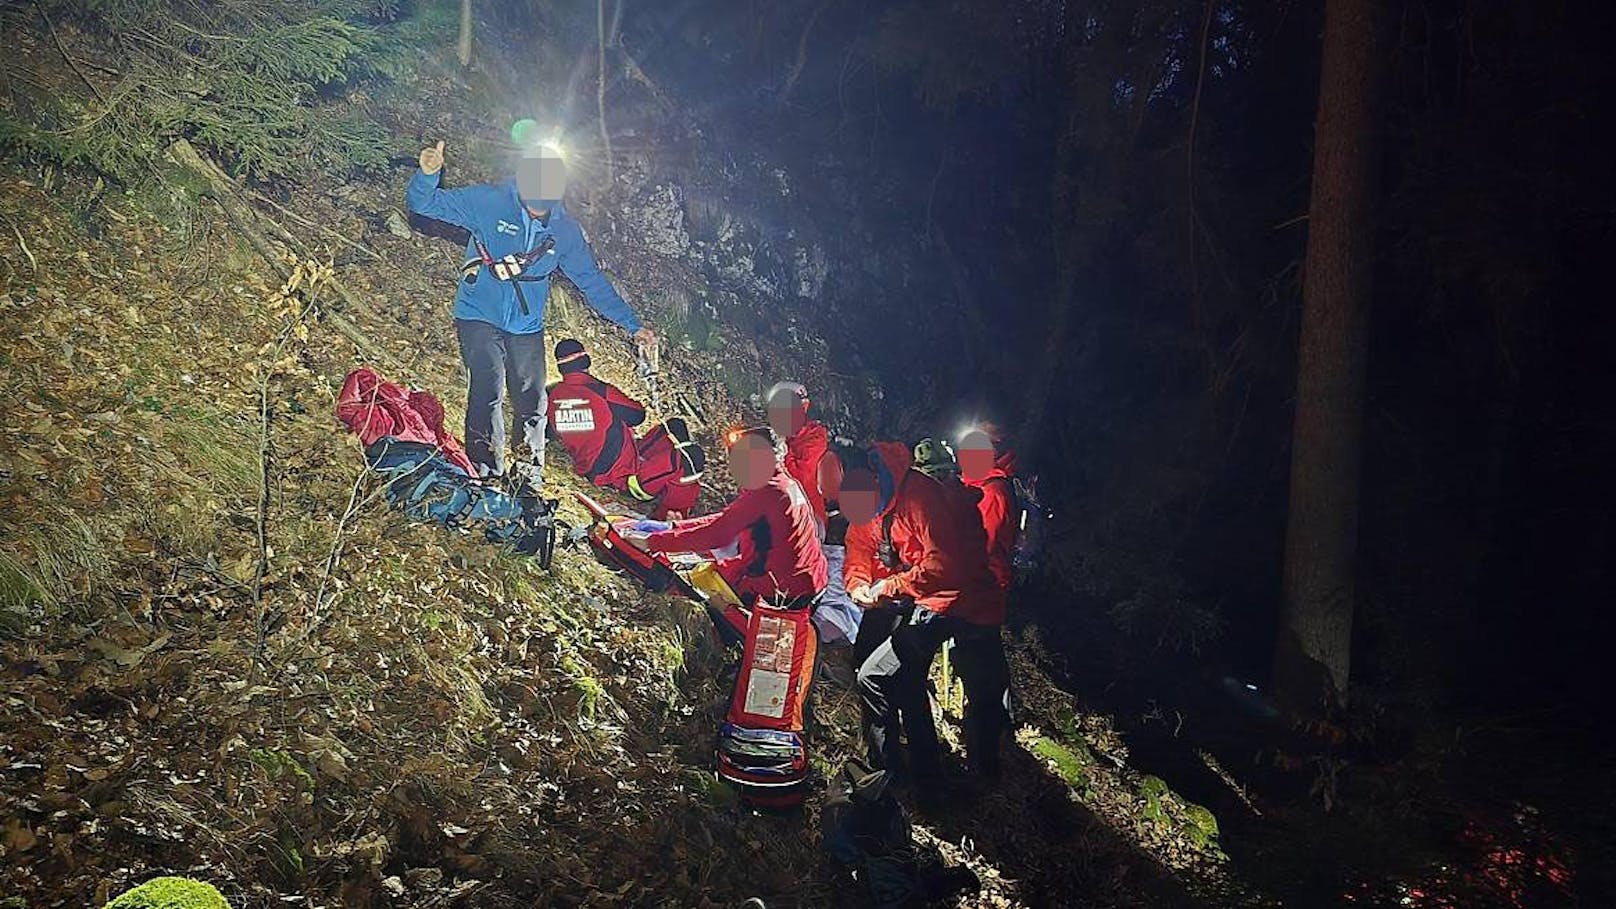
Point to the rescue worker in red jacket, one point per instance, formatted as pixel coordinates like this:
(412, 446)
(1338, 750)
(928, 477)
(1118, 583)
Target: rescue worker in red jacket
(931, 535)
(863, 565)
(807, 441)
(592, 419)
(988, 465)
(779, 559)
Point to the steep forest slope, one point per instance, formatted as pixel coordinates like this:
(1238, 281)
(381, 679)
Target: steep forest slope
(225, 657)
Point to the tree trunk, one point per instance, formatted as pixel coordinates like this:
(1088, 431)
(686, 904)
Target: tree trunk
(463, 44)
(600, 88)
(1315, 635)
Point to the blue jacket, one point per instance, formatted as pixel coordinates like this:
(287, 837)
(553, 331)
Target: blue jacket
(494, 215)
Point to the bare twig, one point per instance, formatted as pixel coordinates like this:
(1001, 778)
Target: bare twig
(261, 524)
(335, 555)
(32, 262)
(72, 63)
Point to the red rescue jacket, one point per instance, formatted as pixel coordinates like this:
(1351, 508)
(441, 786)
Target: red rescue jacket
(862, 563)
(779, 544)
(1001, 516)
(593, 421)
(937, 531)
(804, 451)
(375, 409)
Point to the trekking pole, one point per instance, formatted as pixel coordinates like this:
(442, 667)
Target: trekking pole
(647, 357)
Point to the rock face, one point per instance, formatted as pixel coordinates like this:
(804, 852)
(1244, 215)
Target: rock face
(659, 216)
(812, 267)
(721, 234)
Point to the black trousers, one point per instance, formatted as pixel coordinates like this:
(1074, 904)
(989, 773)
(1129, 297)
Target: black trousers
(892, 680)
(979, 659)
(500, 363)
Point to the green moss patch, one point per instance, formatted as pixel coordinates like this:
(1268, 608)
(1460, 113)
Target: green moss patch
(1071, 764)
(171, 893)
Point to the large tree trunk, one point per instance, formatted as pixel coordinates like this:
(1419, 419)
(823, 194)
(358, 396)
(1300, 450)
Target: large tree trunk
(1315, 635)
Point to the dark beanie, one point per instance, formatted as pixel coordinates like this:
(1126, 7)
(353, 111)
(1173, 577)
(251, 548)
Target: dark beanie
(571, 356)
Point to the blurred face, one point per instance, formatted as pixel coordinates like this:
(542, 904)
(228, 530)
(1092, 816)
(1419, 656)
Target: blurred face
(785, 413)
(541, 177)
(860, 496)
(975, 454)
(751, 462)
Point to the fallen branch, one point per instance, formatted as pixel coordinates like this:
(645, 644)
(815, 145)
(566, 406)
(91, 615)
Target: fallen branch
(32, 262)
(319, 227)
(227, 195)
(802, 54)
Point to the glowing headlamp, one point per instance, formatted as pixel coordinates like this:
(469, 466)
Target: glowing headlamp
(529, 138)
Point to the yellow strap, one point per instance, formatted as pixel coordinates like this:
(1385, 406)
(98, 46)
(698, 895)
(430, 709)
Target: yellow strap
(638, 493)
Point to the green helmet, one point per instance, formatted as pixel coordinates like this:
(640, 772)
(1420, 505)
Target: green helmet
(934, 457)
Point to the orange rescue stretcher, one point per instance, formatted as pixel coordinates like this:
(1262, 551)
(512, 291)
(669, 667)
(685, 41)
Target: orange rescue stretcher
(762, 748)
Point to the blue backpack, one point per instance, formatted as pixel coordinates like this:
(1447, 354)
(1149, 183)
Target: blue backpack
(1034, 531)
(427, 487)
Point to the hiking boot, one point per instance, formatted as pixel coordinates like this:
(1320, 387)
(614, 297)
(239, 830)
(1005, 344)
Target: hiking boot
(538, 516)
(937, 885)
(527, 477)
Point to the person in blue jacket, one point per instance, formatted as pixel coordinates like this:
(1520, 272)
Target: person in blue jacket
(521, 234)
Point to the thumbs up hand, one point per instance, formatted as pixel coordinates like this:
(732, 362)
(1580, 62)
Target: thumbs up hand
(432, 158)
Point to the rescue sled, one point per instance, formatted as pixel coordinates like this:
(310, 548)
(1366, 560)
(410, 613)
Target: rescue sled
(762, 746)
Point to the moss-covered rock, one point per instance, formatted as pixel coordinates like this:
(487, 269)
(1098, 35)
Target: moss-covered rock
(171, 893)
(1070, 764)
(1171, 812)
(1203, 826)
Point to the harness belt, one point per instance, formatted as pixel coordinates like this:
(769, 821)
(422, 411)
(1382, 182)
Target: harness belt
(510, 268)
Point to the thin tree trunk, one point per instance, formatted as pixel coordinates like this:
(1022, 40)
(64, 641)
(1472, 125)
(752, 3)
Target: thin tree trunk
(802, 54)
(463, 44)
(600, 87)
(1315, 636)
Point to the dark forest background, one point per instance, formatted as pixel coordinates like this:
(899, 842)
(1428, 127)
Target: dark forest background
(1110, 203)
